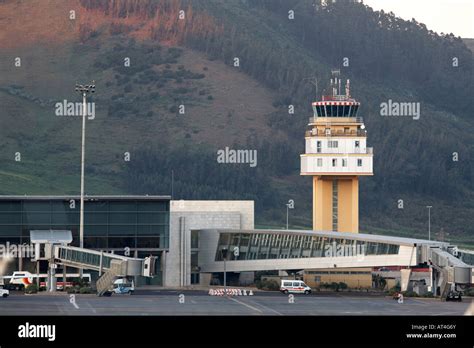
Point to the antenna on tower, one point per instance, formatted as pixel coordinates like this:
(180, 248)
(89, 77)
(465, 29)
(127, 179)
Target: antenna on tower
(337, 85)
(335, 72)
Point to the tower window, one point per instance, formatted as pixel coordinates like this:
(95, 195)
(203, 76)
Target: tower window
(346, 110)
(359, 162)
(320, 162)
(334, 162)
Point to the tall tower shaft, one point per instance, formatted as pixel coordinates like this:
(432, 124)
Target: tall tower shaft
(336, 155)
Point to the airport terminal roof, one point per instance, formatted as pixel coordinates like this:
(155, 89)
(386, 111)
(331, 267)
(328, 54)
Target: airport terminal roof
(346, 235)
(87, 197)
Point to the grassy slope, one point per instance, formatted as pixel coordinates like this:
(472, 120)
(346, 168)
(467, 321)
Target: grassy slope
(50, 145)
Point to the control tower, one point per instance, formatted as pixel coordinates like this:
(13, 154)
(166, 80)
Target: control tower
(336, 155)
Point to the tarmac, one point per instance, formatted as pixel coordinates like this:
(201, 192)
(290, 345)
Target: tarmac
(151, 302)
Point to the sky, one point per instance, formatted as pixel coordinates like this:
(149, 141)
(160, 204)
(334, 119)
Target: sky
(447, 16)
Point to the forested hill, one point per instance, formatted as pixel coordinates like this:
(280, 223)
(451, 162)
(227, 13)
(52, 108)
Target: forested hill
(185, 53)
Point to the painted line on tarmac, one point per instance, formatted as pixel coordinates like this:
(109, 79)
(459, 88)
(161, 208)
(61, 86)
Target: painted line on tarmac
(91, 307)
(245, 304)
(419, 301)
(267, 308)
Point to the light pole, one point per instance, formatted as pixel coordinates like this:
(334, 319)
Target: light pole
(224, 256)
(84, 90)
(429, 221)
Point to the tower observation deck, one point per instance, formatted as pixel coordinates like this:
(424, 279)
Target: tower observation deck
(336, 154)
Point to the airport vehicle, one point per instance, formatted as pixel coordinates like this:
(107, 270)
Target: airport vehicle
(122, 286)
(454, 296)
(4, 292)
(20, 279)
(294, 287)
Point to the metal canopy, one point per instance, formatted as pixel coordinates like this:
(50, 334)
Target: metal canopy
(51, 236)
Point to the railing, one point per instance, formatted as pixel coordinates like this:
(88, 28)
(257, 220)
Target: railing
(334, 119)
(333, 133)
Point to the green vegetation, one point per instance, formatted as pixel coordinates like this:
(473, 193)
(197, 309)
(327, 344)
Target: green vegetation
(269, 285)
(31, 289)
(334, 286)
(389, 58)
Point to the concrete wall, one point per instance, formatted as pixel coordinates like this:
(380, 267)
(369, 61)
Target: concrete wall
(186, 216)
(363, 279)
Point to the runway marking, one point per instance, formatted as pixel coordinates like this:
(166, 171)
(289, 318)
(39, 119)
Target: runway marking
(93, 309)
(245, 304)
(419, 301)
(267, 308)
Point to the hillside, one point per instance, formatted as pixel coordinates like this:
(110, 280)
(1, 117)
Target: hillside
(190, 62)
(469, 43)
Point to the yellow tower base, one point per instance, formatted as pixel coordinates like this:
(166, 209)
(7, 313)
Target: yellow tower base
(336, 203)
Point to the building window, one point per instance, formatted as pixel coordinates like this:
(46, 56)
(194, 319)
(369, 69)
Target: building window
(344, 162)
(320, 162)
(359, 162)
(318, 146)
(334, 162)
(357, 144)
(332, 144)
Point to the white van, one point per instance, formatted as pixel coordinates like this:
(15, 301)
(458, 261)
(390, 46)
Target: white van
(294, 286)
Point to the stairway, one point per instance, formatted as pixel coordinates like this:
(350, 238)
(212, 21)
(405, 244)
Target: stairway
(106, 281)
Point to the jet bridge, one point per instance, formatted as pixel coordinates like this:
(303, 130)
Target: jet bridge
(108, 265)
(451, 272)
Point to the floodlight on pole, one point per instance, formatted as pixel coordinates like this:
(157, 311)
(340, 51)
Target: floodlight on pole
(84, 90)
(429, 221)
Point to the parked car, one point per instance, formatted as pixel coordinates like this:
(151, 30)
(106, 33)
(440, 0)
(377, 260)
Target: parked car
(4, 292)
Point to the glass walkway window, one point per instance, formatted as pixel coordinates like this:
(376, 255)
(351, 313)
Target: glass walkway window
(261, 246)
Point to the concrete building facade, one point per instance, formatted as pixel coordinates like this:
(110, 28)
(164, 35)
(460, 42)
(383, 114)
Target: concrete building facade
(186, 217)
